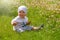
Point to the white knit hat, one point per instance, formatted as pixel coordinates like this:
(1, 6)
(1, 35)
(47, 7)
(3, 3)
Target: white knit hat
(24, 8)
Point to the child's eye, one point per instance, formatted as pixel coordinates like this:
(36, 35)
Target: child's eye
(21, 12)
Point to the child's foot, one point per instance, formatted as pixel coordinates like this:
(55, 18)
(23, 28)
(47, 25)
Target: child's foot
(41, 26)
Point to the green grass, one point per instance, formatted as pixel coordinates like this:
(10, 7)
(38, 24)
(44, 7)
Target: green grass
(51, 29)
(37, 15)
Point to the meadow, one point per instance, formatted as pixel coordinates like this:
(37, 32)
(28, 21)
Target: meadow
(45, 12)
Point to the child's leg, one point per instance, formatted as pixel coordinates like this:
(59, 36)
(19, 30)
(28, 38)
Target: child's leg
(37, 28)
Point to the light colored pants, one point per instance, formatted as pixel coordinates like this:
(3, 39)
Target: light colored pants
(22, 29)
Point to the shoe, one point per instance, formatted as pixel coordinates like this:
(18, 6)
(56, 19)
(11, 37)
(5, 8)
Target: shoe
(41, 26)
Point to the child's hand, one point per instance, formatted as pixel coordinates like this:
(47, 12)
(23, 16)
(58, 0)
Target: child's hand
(28, 23)
(14, 23)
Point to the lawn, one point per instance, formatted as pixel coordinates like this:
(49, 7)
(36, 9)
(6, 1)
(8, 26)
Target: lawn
(39, 11)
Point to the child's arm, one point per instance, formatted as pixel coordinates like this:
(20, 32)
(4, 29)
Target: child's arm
(14, 23)
(28, 23)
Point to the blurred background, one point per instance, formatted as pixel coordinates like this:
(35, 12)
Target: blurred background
(9, 7)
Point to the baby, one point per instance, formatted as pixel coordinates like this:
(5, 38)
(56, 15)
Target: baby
(21, 23)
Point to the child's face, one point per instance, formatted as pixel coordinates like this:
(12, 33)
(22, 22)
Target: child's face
(22, 14)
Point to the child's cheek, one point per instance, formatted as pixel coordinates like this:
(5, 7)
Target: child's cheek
(19, 14)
